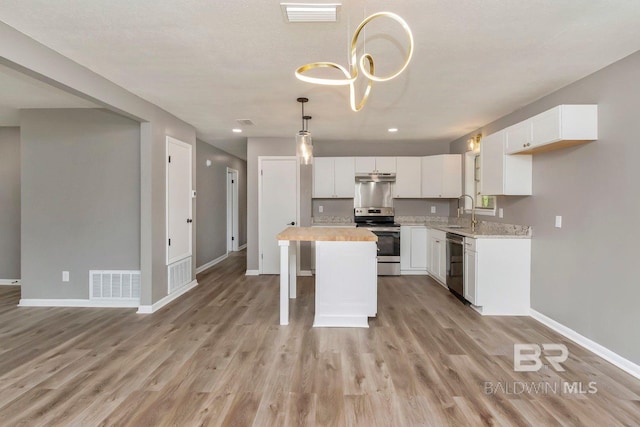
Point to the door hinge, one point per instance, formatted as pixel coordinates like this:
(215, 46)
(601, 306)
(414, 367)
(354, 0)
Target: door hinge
(233, 238)
(261, 172)
(169, 159)
(169, 242)
(232, 181)
(262, 256)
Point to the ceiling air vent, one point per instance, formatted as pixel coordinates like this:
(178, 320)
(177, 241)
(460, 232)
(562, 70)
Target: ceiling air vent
(310, 12)
(245, 122)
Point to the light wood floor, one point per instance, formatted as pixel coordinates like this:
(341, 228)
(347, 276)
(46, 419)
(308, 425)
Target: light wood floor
(217, 356)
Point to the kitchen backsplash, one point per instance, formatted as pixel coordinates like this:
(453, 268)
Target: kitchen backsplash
(403, 207)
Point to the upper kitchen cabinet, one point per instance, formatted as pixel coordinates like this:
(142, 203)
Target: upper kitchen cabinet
(333, 177)
(502, 174)
(562, 126)
(375, 164)
(408, 178)
(442, 176)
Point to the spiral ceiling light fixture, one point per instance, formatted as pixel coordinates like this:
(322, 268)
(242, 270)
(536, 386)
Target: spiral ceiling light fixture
(365, 64)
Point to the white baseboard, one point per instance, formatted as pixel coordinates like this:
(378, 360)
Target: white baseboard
(36, 302)
(211, 263)
(305, 273)
(414, 272)
(608, 355)
(10, 282)
(242, 247)
(148, 309)
(252, 273)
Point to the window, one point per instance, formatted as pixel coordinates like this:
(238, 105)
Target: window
(485, 205)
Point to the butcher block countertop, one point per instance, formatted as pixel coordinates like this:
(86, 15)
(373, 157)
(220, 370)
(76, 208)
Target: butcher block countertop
(327, 234)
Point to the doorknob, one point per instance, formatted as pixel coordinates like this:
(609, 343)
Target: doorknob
(189, 220)
(291, 223)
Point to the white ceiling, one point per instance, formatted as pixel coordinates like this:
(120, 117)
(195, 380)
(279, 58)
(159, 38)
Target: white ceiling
(212, 62)
(20, 91)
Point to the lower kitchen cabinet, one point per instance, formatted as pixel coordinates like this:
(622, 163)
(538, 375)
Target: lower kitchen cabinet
(413, 249)
(437, 255)
(313, 244)
(497, 274)
(470, 268)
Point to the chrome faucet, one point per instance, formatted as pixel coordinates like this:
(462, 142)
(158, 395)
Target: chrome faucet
(473, 210)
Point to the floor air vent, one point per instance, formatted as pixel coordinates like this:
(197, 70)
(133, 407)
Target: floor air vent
(179, 274)
(114, 285)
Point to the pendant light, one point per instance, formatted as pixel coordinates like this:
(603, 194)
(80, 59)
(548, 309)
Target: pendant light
(304, 145)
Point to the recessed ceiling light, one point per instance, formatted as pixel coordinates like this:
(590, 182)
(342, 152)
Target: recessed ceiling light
(310, 12)
(392, 129)
(236, 130)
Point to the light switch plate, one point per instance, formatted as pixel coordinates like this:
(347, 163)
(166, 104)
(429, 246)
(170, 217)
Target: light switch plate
(558, 221)
(433, 209)
(320, 208)
(500, 213)
(65, 276)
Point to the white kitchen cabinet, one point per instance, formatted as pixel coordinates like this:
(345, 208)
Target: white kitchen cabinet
(333, 177)
(408, 178)
(497, 275)
(442, 176)
(561, 126)
(470, 268)
(313, 244)
(345, 177)
(502, 174)
(437, 255)
(375, 164)
(413, 249)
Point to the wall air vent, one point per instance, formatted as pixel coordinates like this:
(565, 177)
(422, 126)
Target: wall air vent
(245, 122)
(310, 12)
(179, 274)
(114, 285)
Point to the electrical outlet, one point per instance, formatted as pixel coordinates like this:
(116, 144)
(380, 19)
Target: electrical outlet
(558, 221)
(500, 213)
(65, 276)
(433, 209)
(320, 208)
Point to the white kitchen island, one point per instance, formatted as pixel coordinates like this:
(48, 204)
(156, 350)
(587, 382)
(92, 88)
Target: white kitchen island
(346, 274)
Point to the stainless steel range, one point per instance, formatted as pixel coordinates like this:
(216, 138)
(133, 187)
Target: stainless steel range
(380, 221)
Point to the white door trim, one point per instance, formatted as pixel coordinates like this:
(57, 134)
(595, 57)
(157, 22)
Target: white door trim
(260, 228)
(171, 140)
(232, 210)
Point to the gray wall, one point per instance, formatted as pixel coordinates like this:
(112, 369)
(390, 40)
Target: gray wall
(286, 147)
(581, 273)
(24, 54)
(80, 198)
(9, 203)
(211, 202)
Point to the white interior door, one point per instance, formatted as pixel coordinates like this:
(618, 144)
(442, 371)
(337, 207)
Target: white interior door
(179, 220)
(278, 206)
(232, 210)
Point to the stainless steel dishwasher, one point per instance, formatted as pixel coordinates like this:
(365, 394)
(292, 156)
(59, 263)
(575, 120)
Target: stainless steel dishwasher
(455, 265)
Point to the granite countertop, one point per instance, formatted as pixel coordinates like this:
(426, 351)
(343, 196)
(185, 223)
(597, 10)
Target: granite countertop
(333, 221)
(327, 234)
(462, 226)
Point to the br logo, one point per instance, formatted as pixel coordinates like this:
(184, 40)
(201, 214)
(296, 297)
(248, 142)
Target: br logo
(527, 357)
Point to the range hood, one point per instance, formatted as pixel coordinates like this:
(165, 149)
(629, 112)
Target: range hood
(376, 177)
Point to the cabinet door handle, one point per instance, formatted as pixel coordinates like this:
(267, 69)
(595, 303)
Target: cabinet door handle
(291, 223)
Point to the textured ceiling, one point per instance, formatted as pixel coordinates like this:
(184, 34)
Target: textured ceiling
(212, 62)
